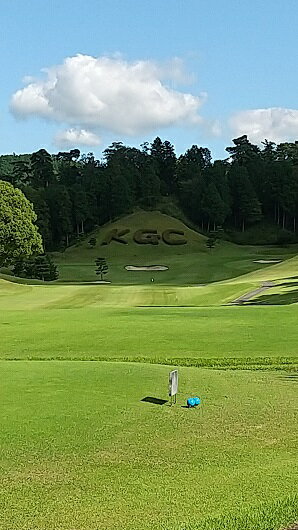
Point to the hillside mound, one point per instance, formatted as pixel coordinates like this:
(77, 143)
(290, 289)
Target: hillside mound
(142, 235)
(154, 226)
(144, 239)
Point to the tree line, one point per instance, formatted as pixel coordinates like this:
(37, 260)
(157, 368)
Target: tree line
(72, 193)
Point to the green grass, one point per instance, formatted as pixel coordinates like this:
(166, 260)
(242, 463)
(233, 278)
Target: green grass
(188, 264)
(80, 450)
(190, 335)
(151, 324)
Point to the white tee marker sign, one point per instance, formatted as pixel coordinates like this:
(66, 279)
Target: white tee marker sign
(173, 385)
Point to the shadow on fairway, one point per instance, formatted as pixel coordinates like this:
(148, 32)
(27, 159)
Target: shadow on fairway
(291, 297)
(155, 401)
(291, 377)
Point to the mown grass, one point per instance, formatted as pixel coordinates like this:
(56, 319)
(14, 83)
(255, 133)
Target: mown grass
(152, 334)
(79, 449)
(188, 264)
(269, 516)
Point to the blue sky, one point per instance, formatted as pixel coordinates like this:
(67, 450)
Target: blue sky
(191, 71)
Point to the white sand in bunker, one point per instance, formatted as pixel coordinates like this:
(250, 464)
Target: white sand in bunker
(267, 261)
(146, 268)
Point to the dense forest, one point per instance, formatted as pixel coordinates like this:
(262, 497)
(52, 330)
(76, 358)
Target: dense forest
(72, 193)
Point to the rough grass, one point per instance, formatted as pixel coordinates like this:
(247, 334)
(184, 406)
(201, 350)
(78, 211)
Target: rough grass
(79, 449)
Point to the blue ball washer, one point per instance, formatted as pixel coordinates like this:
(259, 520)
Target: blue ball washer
(191, 402)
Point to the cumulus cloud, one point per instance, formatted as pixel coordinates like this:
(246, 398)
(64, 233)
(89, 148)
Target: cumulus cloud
(76, 137)
(276, 124)
(109, 93)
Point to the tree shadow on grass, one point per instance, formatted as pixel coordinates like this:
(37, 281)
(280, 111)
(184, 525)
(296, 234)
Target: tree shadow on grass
(288, 278)
(287, 284)
(291, 377)
(291, 297)
(155, 401)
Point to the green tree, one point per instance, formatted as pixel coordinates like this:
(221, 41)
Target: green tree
(101, 267)
(59, 203)
(41, 208)
(92, 242)
(37, 267)
(19, 236)
(246, 206)
(45, 268)
(164, 157)
(211, 241)
(79, 208)
(22, 173)
(192, 163)
(269, 151)
(212, 206)
(42, 167)
(243, 150)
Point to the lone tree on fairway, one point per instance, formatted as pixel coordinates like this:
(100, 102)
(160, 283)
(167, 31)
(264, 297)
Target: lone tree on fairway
(19, 236)
(101, 267)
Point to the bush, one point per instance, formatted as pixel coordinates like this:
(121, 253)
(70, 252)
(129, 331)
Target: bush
(5, 270)
(39, 267)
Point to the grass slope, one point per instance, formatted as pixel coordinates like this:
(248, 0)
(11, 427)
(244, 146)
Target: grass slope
(164, 324)
(65, 296)
(188, 264)
(79, 449)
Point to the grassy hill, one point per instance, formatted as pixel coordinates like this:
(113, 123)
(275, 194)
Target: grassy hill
(218, 277)
(187, 264)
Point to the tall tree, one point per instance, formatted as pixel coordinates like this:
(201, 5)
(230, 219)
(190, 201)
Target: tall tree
(246, 206)
(42, 167)
(79, 207)
(59, 203)
(243, 150)
(22, 172)
(41, 208)
(212, 206)
(19, 235)
(164, 157)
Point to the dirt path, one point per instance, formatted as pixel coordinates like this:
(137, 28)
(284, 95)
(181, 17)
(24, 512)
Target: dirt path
(248, 296)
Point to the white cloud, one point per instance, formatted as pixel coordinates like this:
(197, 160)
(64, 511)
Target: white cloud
(109, 93)
(76, 137)
(276, 124)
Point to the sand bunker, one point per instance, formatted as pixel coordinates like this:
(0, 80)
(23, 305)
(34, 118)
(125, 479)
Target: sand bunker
(146, 268)
(267, 261)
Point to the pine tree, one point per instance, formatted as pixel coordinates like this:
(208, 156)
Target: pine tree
(164, 157)
(101, 267)
(42, 167)
(40, 267)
